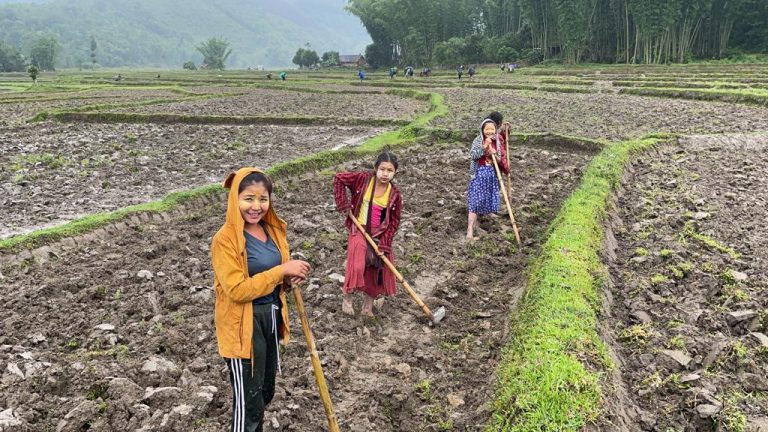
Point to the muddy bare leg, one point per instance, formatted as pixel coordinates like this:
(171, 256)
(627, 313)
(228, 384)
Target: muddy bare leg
(471, 220)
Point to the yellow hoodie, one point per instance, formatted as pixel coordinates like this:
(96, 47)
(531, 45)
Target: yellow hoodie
(234, 289)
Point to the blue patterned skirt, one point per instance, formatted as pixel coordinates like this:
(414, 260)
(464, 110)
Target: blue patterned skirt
(483, 194)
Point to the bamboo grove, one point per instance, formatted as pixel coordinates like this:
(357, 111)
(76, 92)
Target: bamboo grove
(615, 31)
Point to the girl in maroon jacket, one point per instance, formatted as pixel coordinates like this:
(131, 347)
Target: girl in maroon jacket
(376, 204)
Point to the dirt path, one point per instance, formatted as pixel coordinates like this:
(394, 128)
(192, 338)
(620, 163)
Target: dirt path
(689, 304)
(117, 334)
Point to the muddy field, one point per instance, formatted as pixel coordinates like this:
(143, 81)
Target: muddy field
(117, 333)
(598, 115)
(95, 93)
(290, 103)
(689, 295)
(52, 172)
(19, 109)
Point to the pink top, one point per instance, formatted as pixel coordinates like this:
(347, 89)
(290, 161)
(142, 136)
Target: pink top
(376, 221)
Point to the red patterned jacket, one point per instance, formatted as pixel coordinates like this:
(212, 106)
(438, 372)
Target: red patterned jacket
(357, 183)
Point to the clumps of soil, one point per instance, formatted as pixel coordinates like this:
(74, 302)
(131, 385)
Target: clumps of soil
(598, 115)
(689, 285)
(55, 172)
(117, 333)
(290, 103)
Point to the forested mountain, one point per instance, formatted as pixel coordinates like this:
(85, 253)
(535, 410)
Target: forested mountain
(632, 31)
(164, 33)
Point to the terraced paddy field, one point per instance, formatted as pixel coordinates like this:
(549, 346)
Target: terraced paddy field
(390, 373)
(56, 172)
(635, 302)
(18, 108)
(279, 102)
(604, 115)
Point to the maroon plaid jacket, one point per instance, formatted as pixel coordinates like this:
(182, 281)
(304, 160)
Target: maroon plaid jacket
(357, 183)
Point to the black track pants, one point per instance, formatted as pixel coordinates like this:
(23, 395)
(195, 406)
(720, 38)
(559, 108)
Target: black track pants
(253, 386)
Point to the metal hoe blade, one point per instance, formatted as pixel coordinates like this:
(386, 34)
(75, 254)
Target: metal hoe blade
(438, 315)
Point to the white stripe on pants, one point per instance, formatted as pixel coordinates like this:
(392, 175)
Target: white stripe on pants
(238, 423)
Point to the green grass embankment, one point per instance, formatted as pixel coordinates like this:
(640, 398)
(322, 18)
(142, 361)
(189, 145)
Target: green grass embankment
(549, 376)
(749, 97)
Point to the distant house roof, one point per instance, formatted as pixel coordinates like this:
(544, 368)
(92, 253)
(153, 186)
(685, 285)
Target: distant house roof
(354, 58)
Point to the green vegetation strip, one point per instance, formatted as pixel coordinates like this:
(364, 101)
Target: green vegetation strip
(549, 376)
(748, 97)
(390, 140)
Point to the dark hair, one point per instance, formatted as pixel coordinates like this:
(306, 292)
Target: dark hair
(255, 178)
(496, 117)
(386, 157)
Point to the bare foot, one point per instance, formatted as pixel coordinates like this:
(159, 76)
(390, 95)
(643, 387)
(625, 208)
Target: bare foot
(378, 303)
(367, 307)
(346, 305)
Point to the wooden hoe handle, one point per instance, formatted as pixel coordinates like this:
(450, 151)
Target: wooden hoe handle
(506, 199)
(333, 425)
(392, 268)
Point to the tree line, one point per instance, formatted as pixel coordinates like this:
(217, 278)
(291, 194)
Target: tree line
(42, 55)
(574, 31)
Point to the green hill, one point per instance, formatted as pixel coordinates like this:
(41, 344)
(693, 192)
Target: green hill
(163, 33)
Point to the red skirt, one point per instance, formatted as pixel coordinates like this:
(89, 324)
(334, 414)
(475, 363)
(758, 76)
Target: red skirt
(372, 281)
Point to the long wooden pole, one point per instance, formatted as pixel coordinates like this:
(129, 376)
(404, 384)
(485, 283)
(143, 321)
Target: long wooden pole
(392, 268)
(333, 425)
(506, 199)
(505, 126)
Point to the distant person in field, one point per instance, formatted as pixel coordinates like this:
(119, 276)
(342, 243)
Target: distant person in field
(483, 193)
(425, 72)
(282, 76)
(460, 71)
(391, 73)
(502, 67)
(471, 72)
(361, 74)
(269, 76)
(376, 203)
(252, 272)
(409, 72)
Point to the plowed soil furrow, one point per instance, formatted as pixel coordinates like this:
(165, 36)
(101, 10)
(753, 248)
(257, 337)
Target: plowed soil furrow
(390, 373)
(689, 304)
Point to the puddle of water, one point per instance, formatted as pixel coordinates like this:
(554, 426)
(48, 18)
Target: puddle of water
(356, 140)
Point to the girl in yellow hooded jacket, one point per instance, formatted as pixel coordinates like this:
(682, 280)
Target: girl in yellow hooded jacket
(252, 272)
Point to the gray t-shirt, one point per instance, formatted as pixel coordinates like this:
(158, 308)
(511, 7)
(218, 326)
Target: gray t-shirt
(262, 256)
